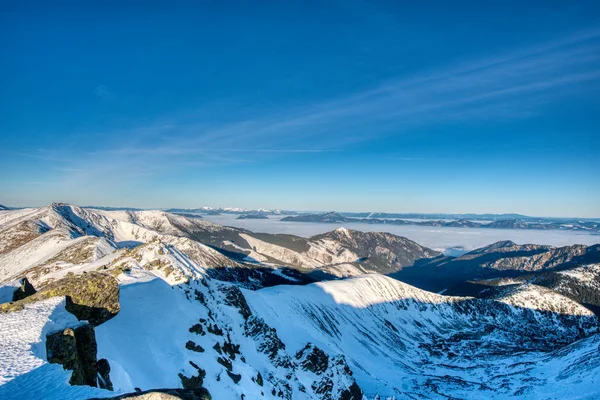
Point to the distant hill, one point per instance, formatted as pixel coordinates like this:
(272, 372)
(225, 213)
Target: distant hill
(526, 223)
(252, 216)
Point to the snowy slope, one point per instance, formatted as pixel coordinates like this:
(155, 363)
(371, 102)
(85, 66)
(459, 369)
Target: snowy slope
(400, 340)
(24, 371)
(192, 325)
(179, 325)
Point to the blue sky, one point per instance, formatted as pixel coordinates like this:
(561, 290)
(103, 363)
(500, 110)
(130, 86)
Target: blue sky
(346, 105)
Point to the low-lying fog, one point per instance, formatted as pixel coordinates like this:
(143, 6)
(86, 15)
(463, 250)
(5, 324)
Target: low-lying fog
(452, 241)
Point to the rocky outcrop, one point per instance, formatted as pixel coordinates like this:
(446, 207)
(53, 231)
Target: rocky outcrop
(193, 382)
(313, 359)
(166, 394)
(75, 349)
(333, 377)
(25, 289)
(235, 298)
(93, 297)
(267, 341)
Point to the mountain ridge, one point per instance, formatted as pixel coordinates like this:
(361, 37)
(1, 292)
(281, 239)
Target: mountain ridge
(236, 312)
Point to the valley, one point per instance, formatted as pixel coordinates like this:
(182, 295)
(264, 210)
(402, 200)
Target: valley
(229, 313)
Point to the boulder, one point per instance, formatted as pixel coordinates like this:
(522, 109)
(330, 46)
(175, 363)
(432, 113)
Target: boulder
(25, 289)
(75, 349)
(93, 297)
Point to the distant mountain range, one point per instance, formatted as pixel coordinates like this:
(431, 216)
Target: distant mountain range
(97, 303)
(522, 223)
(374, 217)
(230, 210)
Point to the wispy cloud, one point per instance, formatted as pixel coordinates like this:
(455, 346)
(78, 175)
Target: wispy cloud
(513, 84)
(103, 92)
(475, 88)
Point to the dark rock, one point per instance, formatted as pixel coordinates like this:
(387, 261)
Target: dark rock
(200, 296)
(313, 359)
(194, 347)
(225, 362)
(230, 348)
(197, 329)
(267, 341)
(235, 298)
(234, 377)
(352, 393)
(25, 290)
(104, 381)
(87, 349)
(214, 329)
(193, 382)
(75, 349)
(62, 349)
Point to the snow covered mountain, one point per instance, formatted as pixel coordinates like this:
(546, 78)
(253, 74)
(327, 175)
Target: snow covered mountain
(34, 242)
(232, 314)
(499, 260)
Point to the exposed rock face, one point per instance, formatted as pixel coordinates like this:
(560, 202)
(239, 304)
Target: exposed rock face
(333, 377)
(267, 341)
(166, 394)
(235, 298)
(93, 297)
(193, 382)
(25, 290)
(75, 349)
(17, 235)
(313, 359)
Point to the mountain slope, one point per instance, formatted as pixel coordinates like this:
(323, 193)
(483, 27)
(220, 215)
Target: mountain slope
(498, 260)
(381, 252)
(194, 313)
(400, 340)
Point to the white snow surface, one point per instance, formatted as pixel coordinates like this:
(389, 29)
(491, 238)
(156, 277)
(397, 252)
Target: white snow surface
(354, 316)
(397, 340)
(24, 371)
